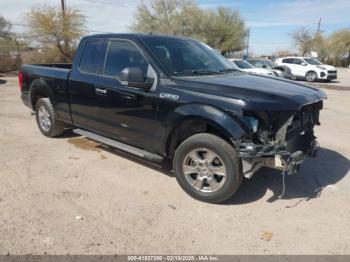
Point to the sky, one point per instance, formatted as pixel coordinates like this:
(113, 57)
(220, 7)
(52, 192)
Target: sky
(271, 22)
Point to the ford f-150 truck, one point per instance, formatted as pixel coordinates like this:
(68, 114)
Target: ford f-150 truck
(174, 97)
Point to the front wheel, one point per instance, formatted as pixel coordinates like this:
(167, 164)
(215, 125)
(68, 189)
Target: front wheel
(208, 168)
(311, 76)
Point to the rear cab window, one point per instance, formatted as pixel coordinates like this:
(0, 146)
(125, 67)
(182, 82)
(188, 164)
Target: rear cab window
(92, 57)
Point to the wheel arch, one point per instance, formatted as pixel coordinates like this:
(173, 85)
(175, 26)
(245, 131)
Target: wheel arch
(39, 88)
(188, 120)
(311, 71)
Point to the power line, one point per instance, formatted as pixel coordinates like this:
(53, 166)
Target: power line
(116, 4)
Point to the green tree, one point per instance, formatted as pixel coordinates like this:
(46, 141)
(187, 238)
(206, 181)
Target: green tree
(339, 46)
(225, 30)
(53, 29)
(10, 58)
(222, 28)
(320, 44)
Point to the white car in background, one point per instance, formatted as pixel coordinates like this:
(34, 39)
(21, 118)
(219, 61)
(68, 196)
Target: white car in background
(308, 68)
(246, 67)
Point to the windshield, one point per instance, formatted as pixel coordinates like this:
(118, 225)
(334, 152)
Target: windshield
(269, 63)
(312, 61)
(242, 64)
(188, 57)
(261, 63)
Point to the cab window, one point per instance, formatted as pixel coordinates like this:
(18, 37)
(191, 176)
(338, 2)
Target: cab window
(123, 54)
(92, 57)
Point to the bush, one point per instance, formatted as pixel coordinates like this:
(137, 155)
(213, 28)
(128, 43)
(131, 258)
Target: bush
(10, 59)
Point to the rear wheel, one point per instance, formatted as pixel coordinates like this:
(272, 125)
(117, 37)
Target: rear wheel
(208, 168)
(311, 76)
(46, 118)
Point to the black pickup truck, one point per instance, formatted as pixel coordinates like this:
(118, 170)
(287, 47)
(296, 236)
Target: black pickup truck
(173, 97)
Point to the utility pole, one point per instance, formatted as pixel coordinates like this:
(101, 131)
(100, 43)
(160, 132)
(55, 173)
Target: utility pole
(63, 7)
(65, 40)
(248, 33)
(319, 26)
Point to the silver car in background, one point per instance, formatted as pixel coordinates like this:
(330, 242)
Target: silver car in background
(280, 70)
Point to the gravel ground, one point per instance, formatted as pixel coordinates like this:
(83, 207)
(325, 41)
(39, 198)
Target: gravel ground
(72, 195)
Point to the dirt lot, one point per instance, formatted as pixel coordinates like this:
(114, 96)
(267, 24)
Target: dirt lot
(71, 195)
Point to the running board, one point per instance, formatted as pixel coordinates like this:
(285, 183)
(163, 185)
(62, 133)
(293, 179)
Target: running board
(124, 147)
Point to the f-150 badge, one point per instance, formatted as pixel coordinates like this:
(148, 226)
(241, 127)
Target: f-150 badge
(168, 96)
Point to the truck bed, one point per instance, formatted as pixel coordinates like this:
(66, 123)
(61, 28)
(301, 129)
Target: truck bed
(55, 77)
(59, 65)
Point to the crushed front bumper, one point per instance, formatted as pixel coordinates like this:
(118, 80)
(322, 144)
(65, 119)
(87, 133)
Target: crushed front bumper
(256, 156)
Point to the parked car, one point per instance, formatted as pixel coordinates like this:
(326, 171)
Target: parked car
(308, 68)
(176, 98)
(279, 70)
(246, 67)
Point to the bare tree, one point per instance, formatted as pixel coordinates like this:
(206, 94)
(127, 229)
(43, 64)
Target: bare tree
(339, 47)
(303, 40)
(5, 27)
(283, 53)
(52, 29)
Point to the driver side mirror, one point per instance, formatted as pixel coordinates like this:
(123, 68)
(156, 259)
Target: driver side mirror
(303, 64)
(264, 66)
(133, 77)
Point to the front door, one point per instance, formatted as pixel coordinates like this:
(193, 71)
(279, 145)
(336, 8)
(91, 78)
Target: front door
(125, 113)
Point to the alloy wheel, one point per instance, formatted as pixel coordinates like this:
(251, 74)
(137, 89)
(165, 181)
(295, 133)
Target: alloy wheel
(204, 170)
(44, 118)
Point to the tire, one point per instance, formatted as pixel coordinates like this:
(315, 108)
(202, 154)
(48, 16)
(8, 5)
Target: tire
(200, 184)
(46, 118)
(311, 76)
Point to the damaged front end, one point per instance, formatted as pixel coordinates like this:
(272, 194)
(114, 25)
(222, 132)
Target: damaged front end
(279, 139)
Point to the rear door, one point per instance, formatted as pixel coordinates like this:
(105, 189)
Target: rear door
(83, 81)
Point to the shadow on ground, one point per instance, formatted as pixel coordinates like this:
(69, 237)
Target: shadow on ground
(2, 81)
(315, 174)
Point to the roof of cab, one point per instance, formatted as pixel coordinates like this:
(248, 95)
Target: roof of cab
(137, 36)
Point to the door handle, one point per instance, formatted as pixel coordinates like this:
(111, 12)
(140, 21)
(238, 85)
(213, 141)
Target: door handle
(100, 91)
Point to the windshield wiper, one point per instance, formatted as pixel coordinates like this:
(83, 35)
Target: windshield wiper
(197, 72)
(228, 70)
(204, 72)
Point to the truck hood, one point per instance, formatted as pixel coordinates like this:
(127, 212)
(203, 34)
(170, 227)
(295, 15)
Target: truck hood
(252, 92)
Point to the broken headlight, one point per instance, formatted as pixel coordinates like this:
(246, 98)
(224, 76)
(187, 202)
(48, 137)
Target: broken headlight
(252, 123)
